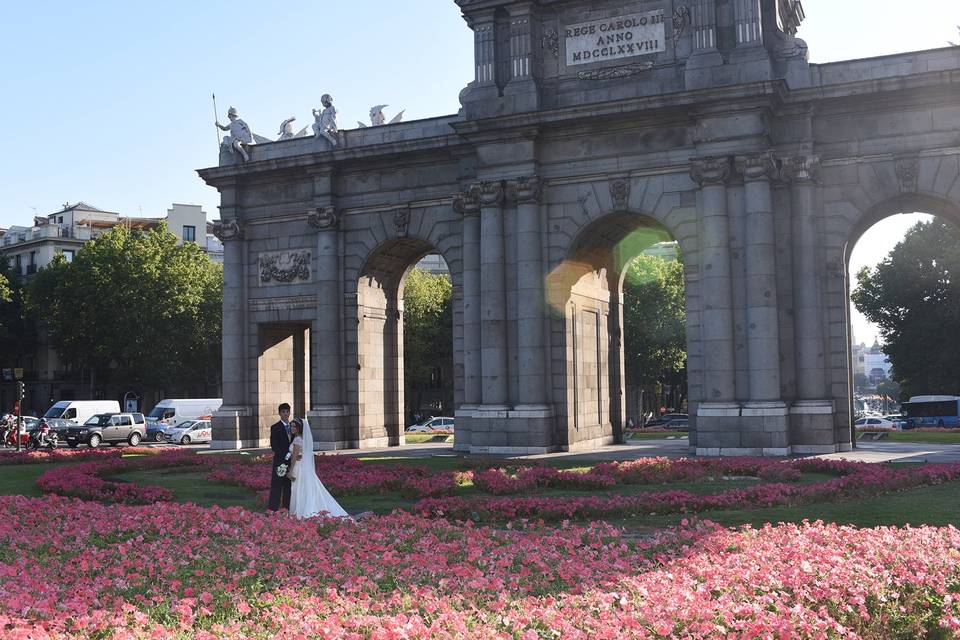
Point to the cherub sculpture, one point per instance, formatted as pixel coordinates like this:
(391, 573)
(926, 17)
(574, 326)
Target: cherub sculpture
(325, 121)
(377, 117)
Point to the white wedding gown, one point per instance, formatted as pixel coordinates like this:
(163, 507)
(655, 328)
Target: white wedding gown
(308, 496)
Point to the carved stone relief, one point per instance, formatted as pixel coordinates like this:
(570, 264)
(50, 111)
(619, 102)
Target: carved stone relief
(401, 221)
(620, 193)
(907, 173)
(285, 267)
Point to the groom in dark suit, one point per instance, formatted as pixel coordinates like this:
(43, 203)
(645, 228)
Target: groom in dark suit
(280, 439)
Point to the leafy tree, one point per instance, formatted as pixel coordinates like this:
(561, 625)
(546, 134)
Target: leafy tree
(427, 336)
(654, 323)
(17, 330)
(913, 295)
(135, 306)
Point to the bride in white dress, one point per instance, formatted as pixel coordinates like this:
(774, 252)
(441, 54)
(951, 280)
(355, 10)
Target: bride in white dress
(308, 496)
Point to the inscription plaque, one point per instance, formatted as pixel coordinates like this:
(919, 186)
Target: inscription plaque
(636, 34)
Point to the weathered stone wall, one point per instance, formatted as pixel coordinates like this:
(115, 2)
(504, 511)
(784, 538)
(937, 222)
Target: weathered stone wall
(764, 168)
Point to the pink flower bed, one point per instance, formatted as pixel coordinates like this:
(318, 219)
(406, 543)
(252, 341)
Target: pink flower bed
(75, 569)
(70, 455)
(85, 480)
(856, 480)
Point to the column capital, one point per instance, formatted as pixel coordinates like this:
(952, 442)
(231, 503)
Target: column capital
(230, 229)
(756, 166)
(323, 218)
(525, 190)
(491, 193)
(468, 203)
(800, 169)
(711, 170)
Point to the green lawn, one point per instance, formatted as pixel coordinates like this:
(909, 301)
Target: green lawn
(934, 505)
(925, 437)
(667, 435)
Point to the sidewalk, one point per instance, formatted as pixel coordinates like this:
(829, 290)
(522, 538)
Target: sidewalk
(865, 452)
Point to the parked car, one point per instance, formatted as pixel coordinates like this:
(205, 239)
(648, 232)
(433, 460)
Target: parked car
(189, 432)
(899, 420)
(172, 411)
(431, 425)
(107, 427)
(155, 431)
(670, 421)
(874, 422)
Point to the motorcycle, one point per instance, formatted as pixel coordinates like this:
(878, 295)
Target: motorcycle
(42, 436)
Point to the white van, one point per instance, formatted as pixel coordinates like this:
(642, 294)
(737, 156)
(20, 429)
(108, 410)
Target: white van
(172, 412)
(78, 411)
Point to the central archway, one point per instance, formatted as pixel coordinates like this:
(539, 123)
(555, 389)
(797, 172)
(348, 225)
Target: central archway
(586, 299)
(378, 389)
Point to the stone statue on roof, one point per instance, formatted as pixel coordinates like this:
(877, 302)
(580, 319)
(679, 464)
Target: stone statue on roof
(377, 117)
(325, 120)
(240, 135)
(286, 130)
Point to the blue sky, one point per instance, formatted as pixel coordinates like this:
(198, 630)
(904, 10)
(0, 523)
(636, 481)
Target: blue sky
(108, 101)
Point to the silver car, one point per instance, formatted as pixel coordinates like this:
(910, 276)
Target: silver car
(189, 432)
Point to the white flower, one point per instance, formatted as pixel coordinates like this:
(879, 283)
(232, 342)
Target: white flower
(282, 470)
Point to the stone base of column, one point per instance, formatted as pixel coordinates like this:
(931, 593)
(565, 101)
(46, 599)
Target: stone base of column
(502, 430)
(754, 429)
(236, 427)
(328, 425)
(812, 430)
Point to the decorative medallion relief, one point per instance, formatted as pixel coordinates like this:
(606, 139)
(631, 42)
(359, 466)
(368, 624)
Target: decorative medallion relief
(285, 267)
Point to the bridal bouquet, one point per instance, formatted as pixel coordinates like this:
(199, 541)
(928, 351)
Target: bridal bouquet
(282, 470)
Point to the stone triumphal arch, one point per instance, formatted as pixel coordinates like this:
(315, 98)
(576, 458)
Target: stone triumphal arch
(586, 121)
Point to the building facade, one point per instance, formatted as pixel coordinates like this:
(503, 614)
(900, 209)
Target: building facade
(590, 130)
(29, 248)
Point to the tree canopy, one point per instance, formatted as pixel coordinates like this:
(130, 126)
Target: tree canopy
(17, 330)
(913, 295)
(654, 320)
(427, 333)
(135, 305)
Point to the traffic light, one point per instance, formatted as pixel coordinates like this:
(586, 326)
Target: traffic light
(21, 391)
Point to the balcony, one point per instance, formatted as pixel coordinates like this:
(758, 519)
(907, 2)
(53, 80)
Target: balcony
(44, 232)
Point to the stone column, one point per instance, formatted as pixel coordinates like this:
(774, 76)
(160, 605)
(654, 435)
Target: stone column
(493, 299)
(234, 421)
(763, 329)
(530, 295)
(801, 173)
(715, 286)
(328, 409)
(468, 205)
(812, 413)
